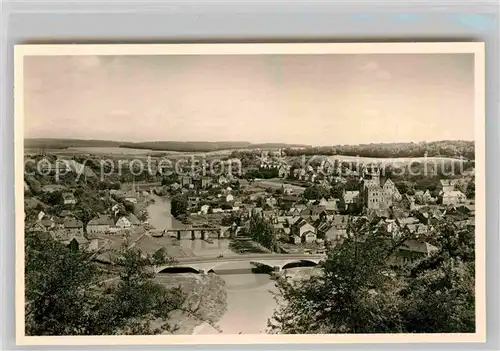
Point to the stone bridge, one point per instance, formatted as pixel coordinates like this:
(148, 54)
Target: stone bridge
(275, 261)
(203, 233)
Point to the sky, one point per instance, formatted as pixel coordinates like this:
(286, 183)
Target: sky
(327, 99)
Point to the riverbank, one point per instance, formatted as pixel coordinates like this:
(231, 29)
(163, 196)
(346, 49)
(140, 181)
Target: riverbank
(206, 295)
(234, 300)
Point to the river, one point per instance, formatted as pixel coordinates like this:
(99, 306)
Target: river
(249, 299)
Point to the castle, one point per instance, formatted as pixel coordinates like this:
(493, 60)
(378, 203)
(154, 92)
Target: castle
(376, 193)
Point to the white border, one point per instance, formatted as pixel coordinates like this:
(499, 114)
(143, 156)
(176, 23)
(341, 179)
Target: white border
(475, 48)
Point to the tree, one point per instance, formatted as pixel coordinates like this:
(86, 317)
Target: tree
(129, 206)
(53, 198)
(337, 191)
(169, 179)
(33, 184)
(359, 291)
(471, 190)
(68, 294)
(88, 206)
(179, 205)
(315, 192)
(263, 232)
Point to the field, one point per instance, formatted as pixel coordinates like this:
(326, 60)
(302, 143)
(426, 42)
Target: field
(392, 160)
(111, 150)
(276, 183)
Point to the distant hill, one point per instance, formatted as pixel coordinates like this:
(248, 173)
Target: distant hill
(180, 146)
(443, 148)
(49, 143)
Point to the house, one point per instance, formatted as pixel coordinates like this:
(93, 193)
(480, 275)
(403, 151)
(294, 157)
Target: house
(130, 197)
(193, 201)
(417, 228)
(66, 213)
(469, 172)
(279, 229)
(222, 180)
(427, 197)
(100, 224)
(40, 215)
(463, 224)
(334, 230)
(351, 197)
(453, 197)
(257, 211)
(289, 199)
(313, 210)
(300, 174)
(446, 185)
(186, 181)
(309, 237)
(328, 231)
(69, 199)
(203, 182)
(331, 205)
(295, 239)
(471, 210)
(322, 202)
(51, 188)
(411, 251)
(229, 198)
(32, 203)
(73, 226)
(408, 202)
(204, 209)
(301, 227)
(284, 171)
(403, 222)
(36, 227)
(271, 201)
(419, 195)
(147, 187)
(48, 223)
(123, 223)
(134, 221)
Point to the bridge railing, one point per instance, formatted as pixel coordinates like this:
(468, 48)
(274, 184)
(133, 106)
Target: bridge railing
(248, 257)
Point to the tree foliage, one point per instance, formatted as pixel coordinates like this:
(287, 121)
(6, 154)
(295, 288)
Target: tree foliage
(262, 231)
(315, 192)
(179, 205)
(67, 293)
(360, 291)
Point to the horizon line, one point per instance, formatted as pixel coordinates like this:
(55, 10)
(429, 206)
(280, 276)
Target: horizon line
(245, 141)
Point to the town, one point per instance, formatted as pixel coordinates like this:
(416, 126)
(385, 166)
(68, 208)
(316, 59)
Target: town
(306, 192)
(273, 205)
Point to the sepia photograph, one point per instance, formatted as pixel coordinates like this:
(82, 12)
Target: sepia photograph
(243, 193)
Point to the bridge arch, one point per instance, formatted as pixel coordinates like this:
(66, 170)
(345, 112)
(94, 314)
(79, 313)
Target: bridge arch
(178, 269)
(300, 263)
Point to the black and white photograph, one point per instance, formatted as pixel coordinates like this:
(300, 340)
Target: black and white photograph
(180, 193)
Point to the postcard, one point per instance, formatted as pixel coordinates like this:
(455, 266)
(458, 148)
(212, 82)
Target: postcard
(250, 193)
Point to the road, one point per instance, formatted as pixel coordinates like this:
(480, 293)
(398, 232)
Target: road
(249, 257)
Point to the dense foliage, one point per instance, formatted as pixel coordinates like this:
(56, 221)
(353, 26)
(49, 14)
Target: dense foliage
(448, 148)
(262, 232)
(179, 205)
(67, 293)
(262, 173)
(359, 291)
(316, 192)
